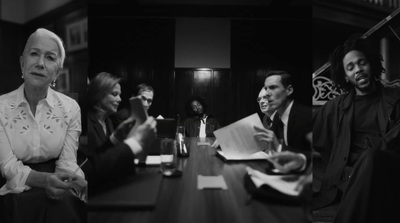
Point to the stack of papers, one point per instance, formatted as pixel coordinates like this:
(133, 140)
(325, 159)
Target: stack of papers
(278, 182)
(237, 140)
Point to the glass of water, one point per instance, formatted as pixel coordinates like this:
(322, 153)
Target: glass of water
(168, 156)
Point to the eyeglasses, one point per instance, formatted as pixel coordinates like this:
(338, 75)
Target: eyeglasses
(262, 98)
(149, 100)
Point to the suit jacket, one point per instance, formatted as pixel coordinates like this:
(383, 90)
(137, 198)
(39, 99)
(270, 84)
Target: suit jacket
(332, 132)
(299, 124)
(192, 126)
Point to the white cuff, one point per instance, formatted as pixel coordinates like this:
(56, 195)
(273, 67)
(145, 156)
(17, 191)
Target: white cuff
(133, 145)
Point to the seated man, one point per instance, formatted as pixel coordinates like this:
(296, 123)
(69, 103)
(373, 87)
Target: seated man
(146, 94)
(348, 128)
(267, 110)
(199, 123)
(291, 120)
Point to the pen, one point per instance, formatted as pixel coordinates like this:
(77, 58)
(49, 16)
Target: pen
(79, 167)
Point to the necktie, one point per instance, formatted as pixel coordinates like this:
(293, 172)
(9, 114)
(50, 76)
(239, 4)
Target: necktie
(277, 127)
(267, 122)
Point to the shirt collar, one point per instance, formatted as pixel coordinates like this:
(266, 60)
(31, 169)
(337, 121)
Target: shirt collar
(50, 100)
(20, 96)
(285, 115)
(272, 116)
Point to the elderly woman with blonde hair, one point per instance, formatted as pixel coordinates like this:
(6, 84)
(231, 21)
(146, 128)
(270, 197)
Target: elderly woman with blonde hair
(39, 134)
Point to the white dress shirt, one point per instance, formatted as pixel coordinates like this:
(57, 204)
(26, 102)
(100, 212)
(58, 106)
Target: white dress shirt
(24, 138)
(202, 132)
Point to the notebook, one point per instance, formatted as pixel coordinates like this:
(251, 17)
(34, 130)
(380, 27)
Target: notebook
(133, 192)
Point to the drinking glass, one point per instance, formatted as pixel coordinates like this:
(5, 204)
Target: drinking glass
(168, 156)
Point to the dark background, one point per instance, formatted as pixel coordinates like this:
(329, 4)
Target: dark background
(137, 43)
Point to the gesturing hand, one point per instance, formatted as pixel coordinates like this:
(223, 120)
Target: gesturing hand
(123, 129)
(287, 161)
(265, 135)
(146, 133)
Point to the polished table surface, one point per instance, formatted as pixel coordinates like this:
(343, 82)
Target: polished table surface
(179, 200)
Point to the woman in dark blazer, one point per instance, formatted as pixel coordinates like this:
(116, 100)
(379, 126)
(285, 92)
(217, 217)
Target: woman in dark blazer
(104, 94)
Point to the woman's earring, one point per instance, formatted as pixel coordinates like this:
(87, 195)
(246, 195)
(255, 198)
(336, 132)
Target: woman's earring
(22, 76)
(53, 83)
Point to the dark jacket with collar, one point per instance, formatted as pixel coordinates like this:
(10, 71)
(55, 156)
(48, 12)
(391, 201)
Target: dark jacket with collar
(96, 135)
(106, 162)
(332, 132)
(299, 125)
(192, 126)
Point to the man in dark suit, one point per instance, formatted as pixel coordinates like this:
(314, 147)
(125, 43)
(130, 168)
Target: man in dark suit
(291, 120)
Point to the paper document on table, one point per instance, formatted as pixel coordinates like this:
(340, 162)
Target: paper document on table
(255, 156)
(211, 182)
(237, 139)
(151, 160)
(137, 112)
(278, 182)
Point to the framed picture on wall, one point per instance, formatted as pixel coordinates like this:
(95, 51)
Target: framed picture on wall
(76, 35)
(63, 81)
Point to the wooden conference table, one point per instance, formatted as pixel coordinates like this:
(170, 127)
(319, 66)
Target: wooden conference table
(179, 200)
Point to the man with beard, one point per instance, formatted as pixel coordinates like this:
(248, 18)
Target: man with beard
(199, 123)
(357, 134)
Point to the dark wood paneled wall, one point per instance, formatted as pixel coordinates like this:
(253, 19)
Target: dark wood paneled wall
(142, 50)
(262, 45)
(214, 85)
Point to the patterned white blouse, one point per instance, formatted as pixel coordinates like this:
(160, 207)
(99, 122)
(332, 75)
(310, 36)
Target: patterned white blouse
(52, 133)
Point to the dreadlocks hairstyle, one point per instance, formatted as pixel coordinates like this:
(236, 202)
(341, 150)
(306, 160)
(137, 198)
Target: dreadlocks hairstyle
(355, 42)
(188, 108)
